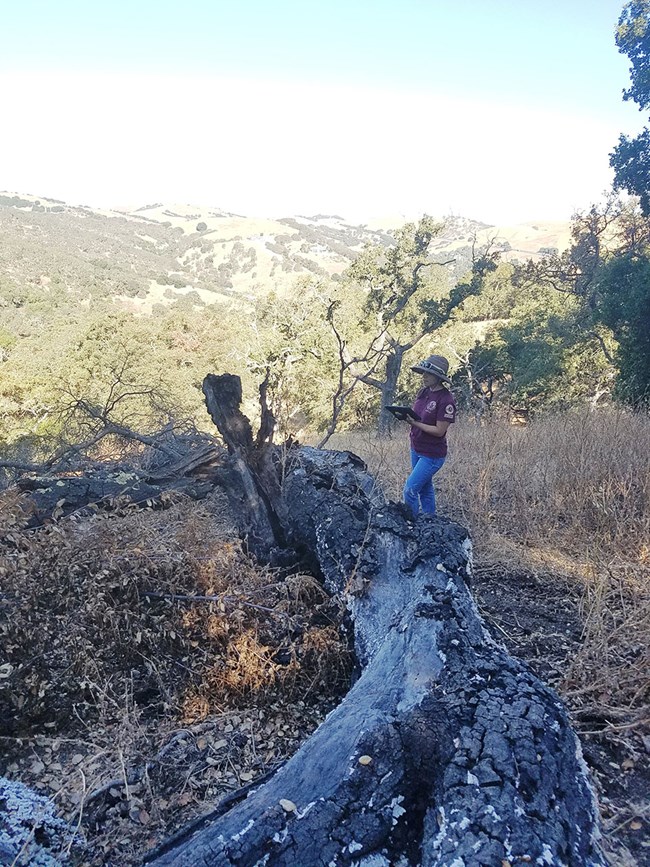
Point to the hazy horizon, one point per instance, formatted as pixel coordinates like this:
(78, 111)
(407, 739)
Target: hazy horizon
(498, 111)
(132, 207)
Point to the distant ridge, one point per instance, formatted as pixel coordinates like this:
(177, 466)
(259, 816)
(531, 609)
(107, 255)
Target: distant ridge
(317, 217)
(158, 253)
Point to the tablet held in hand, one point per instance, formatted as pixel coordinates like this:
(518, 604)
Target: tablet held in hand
(401, 412)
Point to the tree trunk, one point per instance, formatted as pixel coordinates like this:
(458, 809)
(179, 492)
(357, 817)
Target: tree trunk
(446, 751)
(386, 421)
(258, 495)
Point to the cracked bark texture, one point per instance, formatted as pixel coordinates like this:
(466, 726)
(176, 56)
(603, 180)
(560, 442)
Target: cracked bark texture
(261, 506)
(473, 760)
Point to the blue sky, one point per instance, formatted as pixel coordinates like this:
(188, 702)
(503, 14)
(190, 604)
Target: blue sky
(508, 109)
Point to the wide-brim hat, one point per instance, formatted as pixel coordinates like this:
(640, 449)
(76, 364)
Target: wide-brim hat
(436, 364)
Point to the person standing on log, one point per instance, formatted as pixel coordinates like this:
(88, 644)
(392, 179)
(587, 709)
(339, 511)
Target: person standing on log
(436, 408)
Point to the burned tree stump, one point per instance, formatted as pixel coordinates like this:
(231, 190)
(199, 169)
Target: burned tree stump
(256, 491)
(446, 751)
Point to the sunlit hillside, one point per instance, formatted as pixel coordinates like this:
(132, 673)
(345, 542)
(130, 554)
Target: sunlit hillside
(158, 254)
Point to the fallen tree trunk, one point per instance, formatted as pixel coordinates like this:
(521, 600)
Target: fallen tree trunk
(446, 751)
(183, 463)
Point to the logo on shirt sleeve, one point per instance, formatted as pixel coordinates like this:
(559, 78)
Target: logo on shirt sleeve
(449, 410)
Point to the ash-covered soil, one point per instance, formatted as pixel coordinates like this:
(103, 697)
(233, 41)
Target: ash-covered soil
(150, 670)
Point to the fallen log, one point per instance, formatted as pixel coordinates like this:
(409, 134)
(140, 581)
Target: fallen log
(186, 464)
(30, 830)
(446, 751)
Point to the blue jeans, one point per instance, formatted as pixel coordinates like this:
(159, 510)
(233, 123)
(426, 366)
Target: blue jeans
(418, 489)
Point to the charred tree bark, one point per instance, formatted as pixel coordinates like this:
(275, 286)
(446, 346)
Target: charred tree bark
(190, 464)
(260, 496)
(189, 469)
(446, 751)
(389, 387)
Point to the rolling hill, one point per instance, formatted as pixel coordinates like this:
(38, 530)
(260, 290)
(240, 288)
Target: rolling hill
(159, 254)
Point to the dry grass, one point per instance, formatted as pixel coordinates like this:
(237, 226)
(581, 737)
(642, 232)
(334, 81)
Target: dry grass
(565, 495)
(130, 701)
(102, 608)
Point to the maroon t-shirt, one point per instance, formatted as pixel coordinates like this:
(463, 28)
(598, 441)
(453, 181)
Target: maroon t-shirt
(432, 407)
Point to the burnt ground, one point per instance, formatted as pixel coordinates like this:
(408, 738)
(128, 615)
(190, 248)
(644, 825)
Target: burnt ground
(130, 779)
(537, 617)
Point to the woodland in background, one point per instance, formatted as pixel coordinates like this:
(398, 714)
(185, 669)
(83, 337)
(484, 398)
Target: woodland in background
(572, 328)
